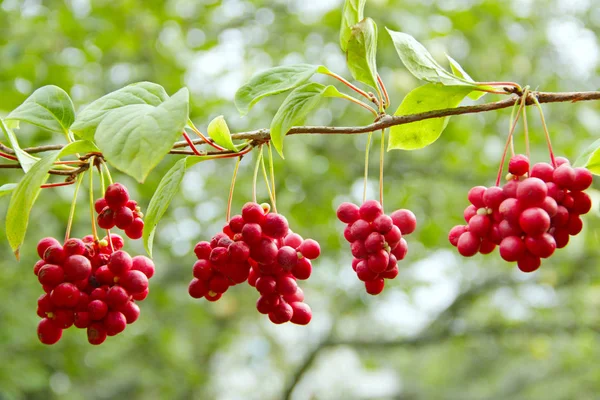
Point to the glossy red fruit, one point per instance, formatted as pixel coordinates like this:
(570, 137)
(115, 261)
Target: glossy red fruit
(275, 225)
(77, 268)
(468, 244)
(528, 262)
(51, 275)
(134, 281)
(135, 229)
(310, 249)
(106, 218)
(375, 286)
(55, 255)
(253, 213)
(301, 313)
(512, 248)
(202, 250)
(455, 233)
(281, 313)
(48, 332)
(493, 196)
(116, 196)
(541, 246)
(544, 171)
(120, 262)
(97, 310)
(405, 220)
(534, 221)
(302, 269)
(480, 225)
(96, 333)
(266, 303)
(287, 257)
(348, 212)
(197, 288)
(518, 165)
(131, 311)
(116, 297)
(143, 264)
(44, 243)
(123, 217)
(115, 323)
(65, 295)
(82, 319)
(74, 246)
(532, 192)
(583, 179)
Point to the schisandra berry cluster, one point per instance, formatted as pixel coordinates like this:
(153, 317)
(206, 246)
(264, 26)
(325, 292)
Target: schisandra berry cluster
(531, 216)
(117, 209)
(259, 247)
(89, 284)
(376, 241)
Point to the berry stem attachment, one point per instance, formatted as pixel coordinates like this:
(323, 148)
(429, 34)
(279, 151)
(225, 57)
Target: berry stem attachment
(360, 103)
(386, 97)
(230, 198)
(525, 126)
(511, 84)
(192, 145)
(381, 156)
(508, 141)
(72, 209)
(512, 118)
(53, 185)
(94, 231)
(539, 107)
(264, 170)
(8, 156)
(367, 166)
(272, 170)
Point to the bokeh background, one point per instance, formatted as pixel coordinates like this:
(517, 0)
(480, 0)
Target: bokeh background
(446, 328)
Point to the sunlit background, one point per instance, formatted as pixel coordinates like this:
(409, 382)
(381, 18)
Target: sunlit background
(445, 328)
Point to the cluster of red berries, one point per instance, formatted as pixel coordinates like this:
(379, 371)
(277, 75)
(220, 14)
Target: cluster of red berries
(116, 209)
(376, 241)
(90, 284)
(259, 247)
(531, 216)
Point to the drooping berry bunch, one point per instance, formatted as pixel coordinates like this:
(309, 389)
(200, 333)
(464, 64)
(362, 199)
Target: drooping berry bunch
(376, 241)
(257, 246)
(89, 284)
(533, 214)
(117, 209)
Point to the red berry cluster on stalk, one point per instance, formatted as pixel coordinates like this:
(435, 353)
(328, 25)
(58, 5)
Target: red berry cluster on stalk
(376, 241)
(259, 247)
(117, 209)
(532, 215)
(89, 284)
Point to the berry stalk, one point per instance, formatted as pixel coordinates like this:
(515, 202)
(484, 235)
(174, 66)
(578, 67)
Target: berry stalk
(367, 166)
(94, 230)
(264, 170)
(525, 126)
(72, 209)
(510, 135)
(386, 97)
(381, 156)
(191, 144)
(230, 199)
(539, 107)
(256, 167)
(201, 135)
(272, 170)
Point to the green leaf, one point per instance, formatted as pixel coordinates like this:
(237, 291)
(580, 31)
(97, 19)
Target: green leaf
(27, 191)
(88, 120)
(49, 107)
(7, 189)
(590, 158)
(164, 194)
(219, 132)
(25, 159)
(296, 107)
(273, 81)
(135, 138)
(352, 14)
(458, 71)
(420, 63)
(362, 51)
(431, 96)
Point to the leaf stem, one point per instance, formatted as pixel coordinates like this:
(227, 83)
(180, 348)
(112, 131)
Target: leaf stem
(201, 135)
(110, 180)
(192, 146)
(53, 185)
(360, 103)
(230, 199)
(367, 166)
(508, 140)
(72, 210)
(512, 84)
(539, 106)
(351, 86)
(384, 90)
(525, 126)
(8, 156)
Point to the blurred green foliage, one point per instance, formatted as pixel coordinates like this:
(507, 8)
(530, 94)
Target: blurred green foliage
(503, 334)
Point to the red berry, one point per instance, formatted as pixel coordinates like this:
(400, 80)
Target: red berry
(97, 310)
(116, 297)
(575, 224)
(534, 221)
(383, 224)
(532, 192)
(197, 288)
(493, 196)
(264, 252)
(487, 246)
(348, 234)
(135, 229)
(120, 262)
(48, 332)
(374, 242)
(468, 244)
(43, 245)
(475, 196)
(550, 206)
(378, 262)
(202, 250)
(104, 276)
(65, 295)
(238, 252)
(564, 176)
(455, 233)
(370, 210)
(302, 269)
(55, 255)
(218, 284)
(393, 237)
(236, 223)
(82, 319)
(391, 273)
(561, 236)
(287, 257)
(293, 240)
(106, 218)
(375, 286)
(400, 250)
(310, 249)
(144, 264)
(286, 285)
(364, 273)
(510, 189)
(297, 296)
(115, 323)
(77, 268)
(511, 210)
(253, 213)
(123, 217)
(116, 196)
(275, 226)
(583, 179)
(131, 311)
(360, 229)
(358, 250)
(266, 285)
(543, 171)
(348, 212)
(582, 204)
(541, 246)
(528, 262)
(281, 313)
(480, 225)
(252, 233)
(512, 248)
(518, 165)
(134, 281)
(469, 212)
(405, 220)
(266, 303)
(51, 275)
(100, 205)
(96, 333)
(302, 314)
(74, 247)
(37, 266)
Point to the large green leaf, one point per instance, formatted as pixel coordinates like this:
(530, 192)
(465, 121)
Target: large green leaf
(49, 107)
(135, 138)
(420, 63)
(459, 71)
(27, 191)
(296, 107)
(219, 132)
(352, 14)
(25, 159)
(590, 158)
(362, 51)
(273, 81)
(7, 189)
(164, 194)
(431, 96)
(88, 120)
